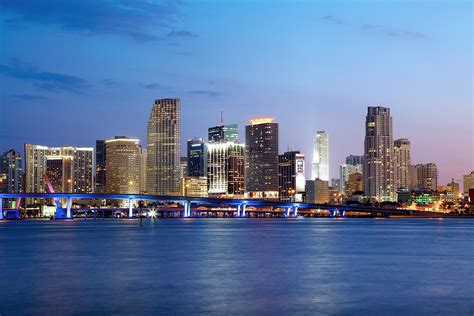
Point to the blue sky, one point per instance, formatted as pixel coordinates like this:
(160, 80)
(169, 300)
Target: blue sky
(72, 72)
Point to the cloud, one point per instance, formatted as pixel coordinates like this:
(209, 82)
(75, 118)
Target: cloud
(380, 30)
(150, 85)
(130, 18)
(50, 81)
(387, 31)
(208, 93)
(182, 33)
(29, 97)
(109, 82)
(331, 19)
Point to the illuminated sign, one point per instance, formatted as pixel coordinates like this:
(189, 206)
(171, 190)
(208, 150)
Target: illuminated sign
(262, 120)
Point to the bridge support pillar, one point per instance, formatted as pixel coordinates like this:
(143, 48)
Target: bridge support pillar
(130, 208)
(342, 213)
(238, 210)
(332, 213)
(187, 209)
(244, 211)
(295, 211)
(288, 211)
(68, 207)
(1, 209)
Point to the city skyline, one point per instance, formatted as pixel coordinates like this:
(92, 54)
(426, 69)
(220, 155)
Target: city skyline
(325, 88)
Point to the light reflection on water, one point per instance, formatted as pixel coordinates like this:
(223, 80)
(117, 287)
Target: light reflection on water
(240, 266)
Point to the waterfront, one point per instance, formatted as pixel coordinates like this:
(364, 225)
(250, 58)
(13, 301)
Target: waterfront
(240, 266)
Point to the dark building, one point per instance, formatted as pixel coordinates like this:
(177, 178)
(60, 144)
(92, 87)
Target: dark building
(223, 133)
(12, 171)
(354, 160)
(196, 159)
(261, 162)
(291, 177)
(100, 158)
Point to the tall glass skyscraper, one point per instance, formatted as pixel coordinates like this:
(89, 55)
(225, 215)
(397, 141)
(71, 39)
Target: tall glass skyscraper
(163, 148)
(223, 133)
(100, 157)
(320, 168)
(378, 155)
(261, 172)
(196, 158)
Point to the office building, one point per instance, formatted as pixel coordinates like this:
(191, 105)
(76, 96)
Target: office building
(82, 167)
(354, 160)
(100, 157)
(223, 133)
(183, 167)
(354, 184)
(378, 155)
(225, 169)
(12, 168)
(427, 175)
(194, 187)
(317, 191)
(291, 176)
(122, 165)
(163, 147)
(468, 182)
(320, 167)
(196, 158)
(261, 165)
(401, 163)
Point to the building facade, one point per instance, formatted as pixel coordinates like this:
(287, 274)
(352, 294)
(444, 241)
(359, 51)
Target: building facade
(261, 165)
(223, 133)
(317, 191)
(355, 183)
(12, 168)
(196, 158)
(378, 155)
(59, 170)
(100, 157)
(345, 172)
(226, 169)
(320, 166)
(468, 182)
(427, 175)
(122, 165)
(355, 160)
(163, 147)
(82, 167)
(194, 186)
(401, 163)
(291, 176)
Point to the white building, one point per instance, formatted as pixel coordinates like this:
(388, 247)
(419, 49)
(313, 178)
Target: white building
(321, 156)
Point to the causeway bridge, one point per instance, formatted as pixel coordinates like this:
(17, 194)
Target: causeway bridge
(196, 206)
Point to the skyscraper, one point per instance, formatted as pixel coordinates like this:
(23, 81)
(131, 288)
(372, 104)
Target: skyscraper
(59, 170)
(225, 169)
(261, 173)
(223, 133)
(163, 148)
(320, 168)
(427, 175)
(82, 167)
(378, 155)
(122, 165)
(196, 158)
(100, 157)
(401, 163)
(291, 176)
(11, 166)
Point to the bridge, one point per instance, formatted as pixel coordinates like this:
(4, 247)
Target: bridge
(232, 207)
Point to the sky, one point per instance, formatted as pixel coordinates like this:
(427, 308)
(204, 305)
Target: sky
(72, 72)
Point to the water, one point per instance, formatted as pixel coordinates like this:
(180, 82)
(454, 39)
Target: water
(238, 266)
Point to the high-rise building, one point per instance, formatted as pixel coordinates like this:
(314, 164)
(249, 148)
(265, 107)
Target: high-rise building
(378, 155)
(59, 170)
(143, 160)
(163, 147)
(427, 175)
(261, 161)
(401, 163)
(11, 167)
(412, 178)
(468, 182)
(122, 165)
(100, 157)
(317, 191)
(291, 176)
(345, 171)
(196, 158)
(354, 184)
(223, 133)
(355, 160)
(225, 169)
(183, 167)
(82, 167)
(320, 168)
